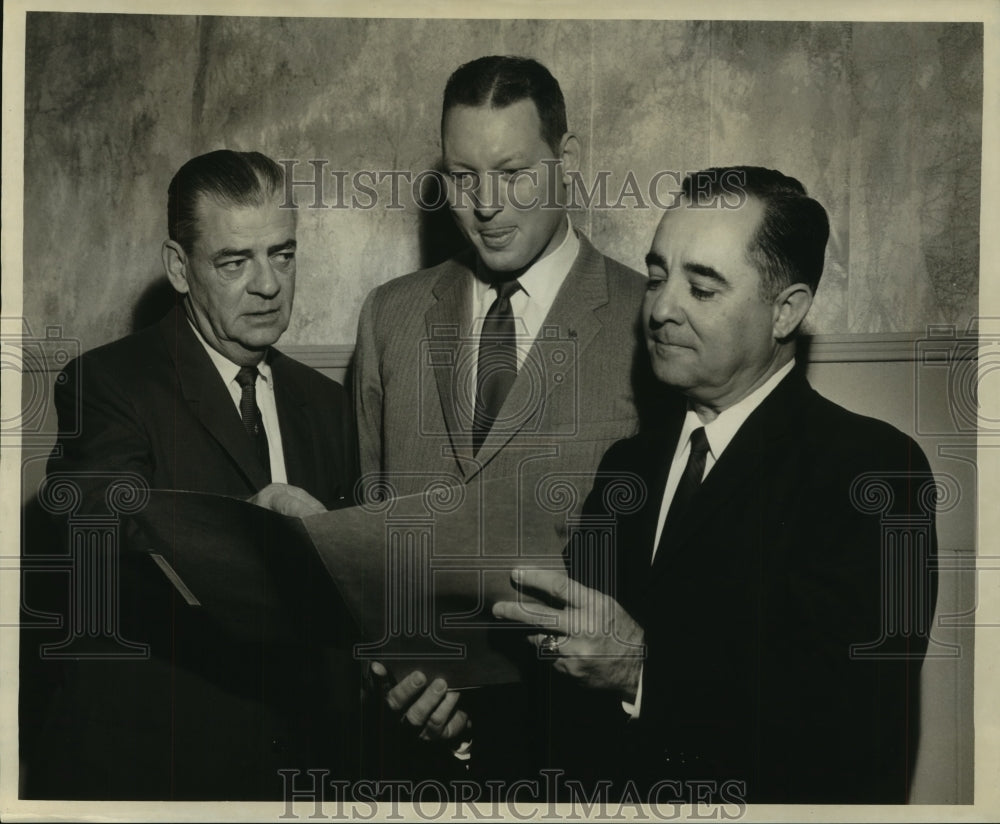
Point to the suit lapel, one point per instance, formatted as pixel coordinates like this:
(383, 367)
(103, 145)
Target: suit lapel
(208, 398)
(660, 454)
(739, 467)
(567, 331)
(448, 327)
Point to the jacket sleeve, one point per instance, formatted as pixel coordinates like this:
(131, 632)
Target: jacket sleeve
(864, 594)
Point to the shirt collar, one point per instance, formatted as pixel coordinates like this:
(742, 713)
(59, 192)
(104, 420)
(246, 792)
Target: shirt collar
(225, 367)
(541, 281)
(721, 431)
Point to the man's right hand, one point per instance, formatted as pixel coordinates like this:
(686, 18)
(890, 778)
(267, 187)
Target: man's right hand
(288, 500)
(430, 708)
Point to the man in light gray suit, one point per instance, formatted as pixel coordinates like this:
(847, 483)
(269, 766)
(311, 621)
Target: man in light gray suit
(419, 369)
(519, 358)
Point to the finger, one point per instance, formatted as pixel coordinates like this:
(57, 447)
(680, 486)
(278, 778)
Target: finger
(440, 717)
(421, 709)
(402, 695)
(297, 503)
(377, 678)
(561, 640)
(554, 583)
(561, 665)
(535, 615)
(265, 496)
(305, 504)
(458, 724)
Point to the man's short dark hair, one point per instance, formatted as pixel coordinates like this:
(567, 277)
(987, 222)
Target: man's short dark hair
(239, 178)
(790, 242)
(499, 81)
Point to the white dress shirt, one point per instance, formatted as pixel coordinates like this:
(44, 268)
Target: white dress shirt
(531, 303)
(720, 433)
(265, 402)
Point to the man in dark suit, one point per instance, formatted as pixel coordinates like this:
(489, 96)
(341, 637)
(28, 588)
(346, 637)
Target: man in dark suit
(199, 402)
(516, 359)
(166, 402)
(758, 624)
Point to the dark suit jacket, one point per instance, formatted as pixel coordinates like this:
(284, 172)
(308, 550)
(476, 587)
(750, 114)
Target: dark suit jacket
(153, 403)
(202, 717)
(786, 614)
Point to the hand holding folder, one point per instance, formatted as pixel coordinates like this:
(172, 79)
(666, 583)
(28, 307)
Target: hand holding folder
(417, 575)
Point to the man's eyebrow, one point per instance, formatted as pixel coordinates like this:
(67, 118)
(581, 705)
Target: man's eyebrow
(706, 272)
(288, 246)
(232, 253)
(512, 160)
(655, 259)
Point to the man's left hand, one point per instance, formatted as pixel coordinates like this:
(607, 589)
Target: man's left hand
(598, 643)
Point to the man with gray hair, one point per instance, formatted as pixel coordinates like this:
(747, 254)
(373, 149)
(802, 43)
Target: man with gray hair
(201, 401)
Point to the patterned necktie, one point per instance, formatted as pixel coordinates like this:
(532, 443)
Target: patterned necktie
(689, 483)
(253, 423)
(497, 365)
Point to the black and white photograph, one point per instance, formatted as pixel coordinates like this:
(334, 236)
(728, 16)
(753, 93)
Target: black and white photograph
(535, 411)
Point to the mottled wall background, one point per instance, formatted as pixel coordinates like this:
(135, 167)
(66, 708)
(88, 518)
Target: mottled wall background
(881, 122)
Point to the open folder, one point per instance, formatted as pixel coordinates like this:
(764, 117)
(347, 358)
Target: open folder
(418, 575)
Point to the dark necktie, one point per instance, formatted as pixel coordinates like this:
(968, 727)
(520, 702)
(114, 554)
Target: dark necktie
(497, 365)
(250, 413)
(689, 483)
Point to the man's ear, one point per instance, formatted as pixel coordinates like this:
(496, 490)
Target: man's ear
(790, 308)
(175, 265)
(569, 148)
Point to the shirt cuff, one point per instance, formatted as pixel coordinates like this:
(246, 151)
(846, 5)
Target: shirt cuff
(633, 708)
